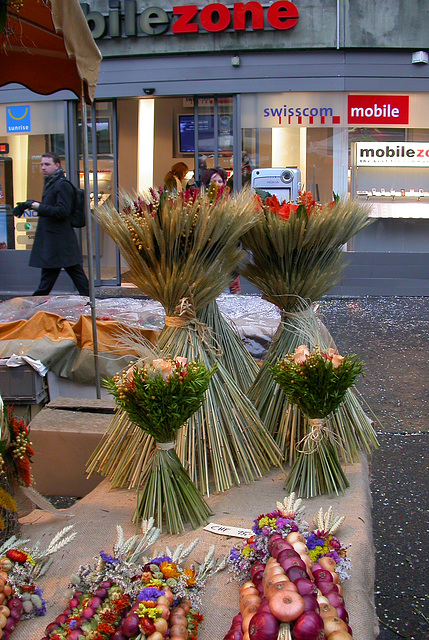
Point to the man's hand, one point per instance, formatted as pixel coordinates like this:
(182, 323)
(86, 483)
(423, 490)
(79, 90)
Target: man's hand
(18, 211)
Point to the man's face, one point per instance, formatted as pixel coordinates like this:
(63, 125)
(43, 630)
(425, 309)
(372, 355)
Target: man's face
(48, 166)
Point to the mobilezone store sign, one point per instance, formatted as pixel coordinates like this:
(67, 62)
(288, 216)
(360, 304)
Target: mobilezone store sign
(392, 154)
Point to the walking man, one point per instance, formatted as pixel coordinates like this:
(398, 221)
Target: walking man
(55, 244)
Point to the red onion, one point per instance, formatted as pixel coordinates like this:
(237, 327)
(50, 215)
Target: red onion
(342, 613)
(234, 634)
(287, 563)
(323, 576)
(106, 584)
(264, 606)
(271, 541)
(258, 566)
(237, 619)
(75, 634)
(306, 587)
(53, 626)
(102, 593)
(263, 626)
(317, 567)
(10, 625)
(6, 634)
(16, 614)
(88, 613)
(95, 602)
(257, 577)
(327, 587)
(296, 572)
(281, 545)
(309, 626)
(61, 618)
(335, 600)
(118, 635)
(73, 603)
(130, 626)
(311, 603)
(287, 553)
(14, 603)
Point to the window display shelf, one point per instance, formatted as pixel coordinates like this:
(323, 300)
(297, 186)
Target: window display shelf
(391, 194)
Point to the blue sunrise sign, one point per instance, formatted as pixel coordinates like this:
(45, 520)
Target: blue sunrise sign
(18, 119)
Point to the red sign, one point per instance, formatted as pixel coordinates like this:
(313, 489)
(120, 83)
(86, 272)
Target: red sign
(378, 109)
(216, 17)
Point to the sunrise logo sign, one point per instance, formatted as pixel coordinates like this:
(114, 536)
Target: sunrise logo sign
(18, 119)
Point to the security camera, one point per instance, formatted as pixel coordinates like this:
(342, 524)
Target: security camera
(149, 91)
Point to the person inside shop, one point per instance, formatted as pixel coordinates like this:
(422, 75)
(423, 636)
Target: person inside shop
(55, 244)
(173, 180)
(219, 176)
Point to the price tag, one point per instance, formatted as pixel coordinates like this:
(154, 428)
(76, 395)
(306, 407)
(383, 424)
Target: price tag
(225, 530)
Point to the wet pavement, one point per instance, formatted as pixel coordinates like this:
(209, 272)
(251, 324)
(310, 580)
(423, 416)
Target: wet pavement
(391, 335)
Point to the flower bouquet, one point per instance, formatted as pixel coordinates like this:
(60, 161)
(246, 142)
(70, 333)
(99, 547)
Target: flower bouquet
(131, 595)
(159, 398)
(291, 577)
(20, 566)
(297, 257)
(181, 250)
(316, 382)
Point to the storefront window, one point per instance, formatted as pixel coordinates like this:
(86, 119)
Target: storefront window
(28, 131)
(278, 140)
(101, 184)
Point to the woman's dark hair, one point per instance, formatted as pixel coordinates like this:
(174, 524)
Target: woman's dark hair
(208, 173)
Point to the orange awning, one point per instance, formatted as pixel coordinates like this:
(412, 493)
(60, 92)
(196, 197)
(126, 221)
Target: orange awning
(48, 47)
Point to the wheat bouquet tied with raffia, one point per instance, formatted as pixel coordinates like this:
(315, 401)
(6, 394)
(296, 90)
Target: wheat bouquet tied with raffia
(297, 257)
(181, 250)
(316, 382)
(159, 398)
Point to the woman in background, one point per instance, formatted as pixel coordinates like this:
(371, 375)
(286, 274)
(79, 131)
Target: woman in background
(173, 180)
(219, 176)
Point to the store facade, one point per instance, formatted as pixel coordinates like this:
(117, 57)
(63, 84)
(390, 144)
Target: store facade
(336, 91)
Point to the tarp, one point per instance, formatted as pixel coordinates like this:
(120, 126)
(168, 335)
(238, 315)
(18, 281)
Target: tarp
(47, 47)
(66, 348)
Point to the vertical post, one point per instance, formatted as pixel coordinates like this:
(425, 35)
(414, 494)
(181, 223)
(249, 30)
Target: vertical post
(89, 239)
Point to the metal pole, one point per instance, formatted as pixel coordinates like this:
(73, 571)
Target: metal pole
(89, 239)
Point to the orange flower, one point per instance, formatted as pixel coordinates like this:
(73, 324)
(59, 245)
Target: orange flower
(273, 203)
(286, 209)
(189, 575)
(169, 570)
(259, 203)
(306, 198)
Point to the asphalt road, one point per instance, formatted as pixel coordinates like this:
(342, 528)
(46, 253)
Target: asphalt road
(391, 335)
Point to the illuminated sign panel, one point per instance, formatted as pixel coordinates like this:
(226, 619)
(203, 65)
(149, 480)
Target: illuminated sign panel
(378, 109)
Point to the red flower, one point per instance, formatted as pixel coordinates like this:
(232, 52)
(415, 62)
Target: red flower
(273, 203)
(122, 603)
(103, 627)
(16, 555)
(286, 209)
(259, 203)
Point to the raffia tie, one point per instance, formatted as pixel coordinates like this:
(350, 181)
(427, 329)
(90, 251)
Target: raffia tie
(165, 446)
(311, 441)
(320, 431)
(184, 316)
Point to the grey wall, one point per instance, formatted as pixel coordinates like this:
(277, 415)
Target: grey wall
(322, 24)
